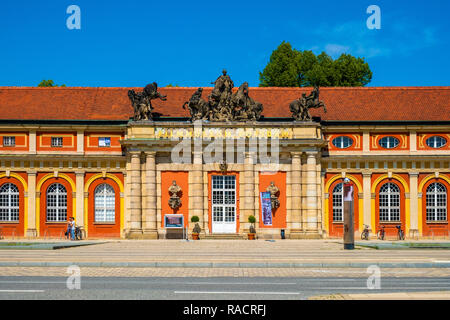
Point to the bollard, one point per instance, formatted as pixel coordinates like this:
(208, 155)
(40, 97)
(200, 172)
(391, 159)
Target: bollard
(349, 232)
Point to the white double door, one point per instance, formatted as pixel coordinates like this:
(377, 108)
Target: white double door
(223, 204)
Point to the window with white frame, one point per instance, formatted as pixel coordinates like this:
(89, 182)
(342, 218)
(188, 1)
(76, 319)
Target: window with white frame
(389, 142)
(436, 142)
(342, 142)
(389, 202)
(57, 141)
(104, 141)
(436, 202)
(9, 202)
(105, 200)
(338, 203)
(56, 203)
(9, 141)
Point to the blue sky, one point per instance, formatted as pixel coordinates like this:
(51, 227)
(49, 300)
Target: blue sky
(188, 43)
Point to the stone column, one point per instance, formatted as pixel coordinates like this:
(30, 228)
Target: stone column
(295, 196)
(135, 230)
(248, 192)
(150, 229)
(80, 141)
(196, 191)
(414, 203)
(32, 138)
(31, 229)
(79, 186)
(311, 195)
(367, 209)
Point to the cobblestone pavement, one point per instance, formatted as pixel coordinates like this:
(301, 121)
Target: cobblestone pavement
(301, 251)
(222, 272)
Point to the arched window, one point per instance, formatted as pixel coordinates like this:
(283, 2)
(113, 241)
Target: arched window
(389, 202)
(389, 142)
(342, 142)
(105, 203)
(436, 202)
(436, 142)
(56, 203)
(338, 203)
(9, 202)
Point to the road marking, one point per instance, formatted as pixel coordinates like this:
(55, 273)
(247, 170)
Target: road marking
(237, 292)
(22, 291)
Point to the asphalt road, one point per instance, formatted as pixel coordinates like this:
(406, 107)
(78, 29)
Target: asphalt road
(230, 288)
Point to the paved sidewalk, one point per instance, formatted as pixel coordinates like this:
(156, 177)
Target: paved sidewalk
(226, 254)
(445, 295)
(223, 272)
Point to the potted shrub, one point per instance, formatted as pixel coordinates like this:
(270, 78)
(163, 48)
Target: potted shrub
(251, 230)
(196, 231)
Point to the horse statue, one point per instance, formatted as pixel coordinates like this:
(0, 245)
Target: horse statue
(244, 107)
(300, 107)
(141, 101)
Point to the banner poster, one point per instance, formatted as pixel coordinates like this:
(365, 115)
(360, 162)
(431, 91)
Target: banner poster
(266, 208)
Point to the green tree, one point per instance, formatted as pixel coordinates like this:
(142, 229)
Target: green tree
(289, 67)
(49, 83)
(282, 70)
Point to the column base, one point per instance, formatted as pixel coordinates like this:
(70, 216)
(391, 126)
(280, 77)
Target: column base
(150, 234)
(31, 233)
(295, 234)
(133, 234)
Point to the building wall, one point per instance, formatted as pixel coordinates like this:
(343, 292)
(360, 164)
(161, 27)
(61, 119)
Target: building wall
(139, 168)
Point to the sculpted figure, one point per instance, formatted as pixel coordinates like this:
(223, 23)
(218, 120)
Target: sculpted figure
(198, 107)
(273, 189)
(244, 107)
(222, 104)
(142, 101)
(174, 200)
(300, 107)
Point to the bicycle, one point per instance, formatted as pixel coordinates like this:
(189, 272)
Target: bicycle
(400, 233)
(381, 234)
(365, 233)
(79, 233)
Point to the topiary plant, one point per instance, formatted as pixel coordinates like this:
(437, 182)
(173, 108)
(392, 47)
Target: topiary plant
(197, 229)
(252, 220)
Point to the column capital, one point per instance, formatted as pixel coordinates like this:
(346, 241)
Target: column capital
(414, 174)
(367, 174)
(32, 173)
(135, 154)
(296, 154)
(150, 153)
(79, 173)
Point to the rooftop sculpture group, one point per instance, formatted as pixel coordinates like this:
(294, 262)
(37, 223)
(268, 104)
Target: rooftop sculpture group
(223, 104)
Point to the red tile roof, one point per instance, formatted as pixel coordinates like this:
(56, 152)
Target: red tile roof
(343, 104)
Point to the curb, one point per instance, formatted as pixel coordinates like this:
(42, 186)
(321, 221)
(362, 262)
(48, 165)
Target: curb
(222, 265)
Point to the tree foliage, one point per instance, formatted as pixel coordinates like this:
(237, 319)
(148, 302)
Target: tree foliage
(289, 67)
(49, 83)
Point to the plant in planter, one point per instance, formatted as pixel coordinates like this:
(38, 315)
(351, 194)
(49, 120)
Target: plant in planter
(196, 231)
(252, 230)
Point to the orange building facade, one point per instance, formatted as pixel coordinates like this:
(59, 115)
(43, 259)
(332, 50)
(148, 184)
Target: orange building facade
(90, 161)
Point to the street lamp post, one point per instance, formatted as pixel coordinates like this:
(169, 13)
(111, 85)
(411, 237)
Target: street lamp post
(349, 231)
